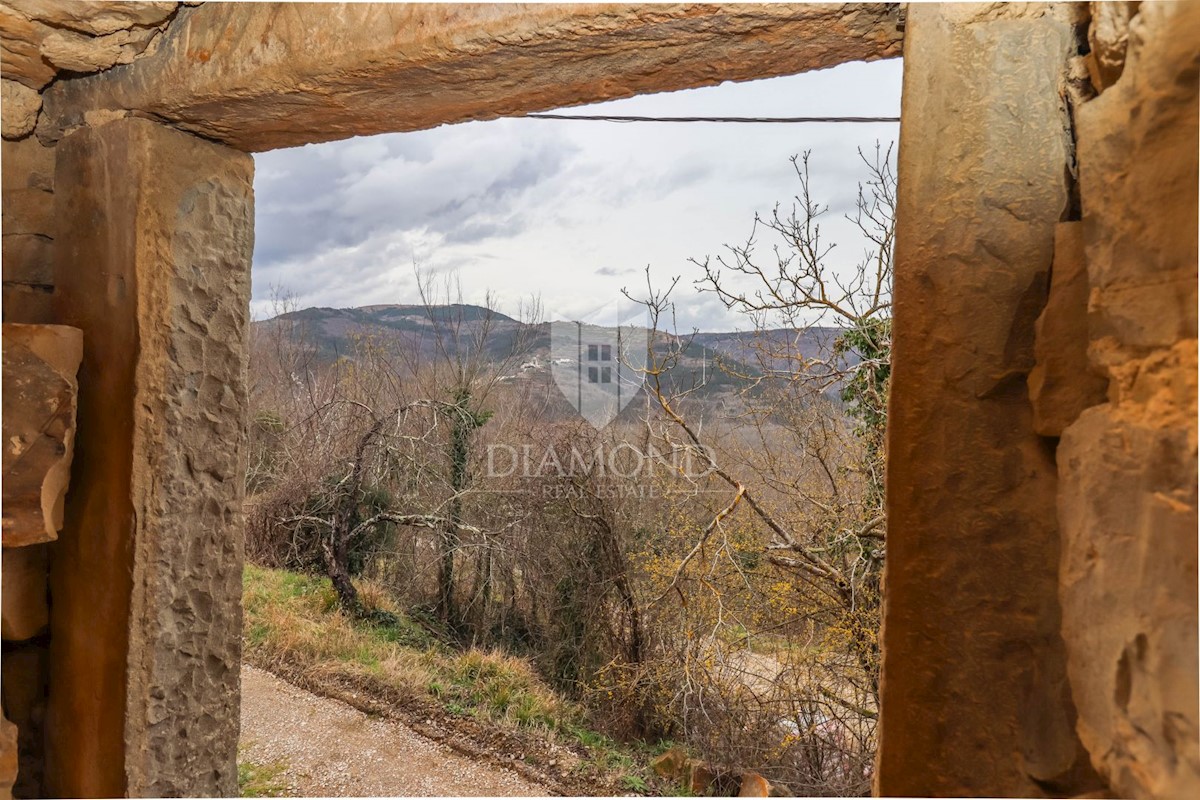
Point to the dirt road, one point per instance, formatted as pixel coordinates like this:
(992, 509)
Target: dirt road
(317, 747)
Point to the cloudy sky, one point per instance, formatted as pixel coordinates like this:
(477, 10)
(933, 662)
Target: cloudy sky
(568, 211)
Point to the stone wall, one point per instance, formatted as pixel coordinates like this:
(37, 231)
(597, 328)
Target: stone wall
(1040, 629)
(40, 392)
(1127, 464)
(39, 41)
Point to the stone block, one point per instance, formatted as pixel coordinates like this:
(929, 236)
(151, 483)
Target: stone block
(973, 668)
(40, 389)
(1062, 383)
(146, 575)
(337, 71)
(19, 107)
(26, 571)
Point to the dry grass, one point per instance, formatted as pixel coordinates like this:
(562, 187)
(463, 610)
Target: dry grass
(294, 619)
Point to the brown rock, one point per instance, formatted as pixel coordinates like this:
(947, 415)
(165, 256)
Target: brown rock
(1127, 504)
(699, 776)
(1108, 38)
(19, 107)
(95, 17)
(337, 71)
(1062, 383)
(971, 600)
(24, 590)
(1128, 510)
(20, 49)
(75, 53)
(754, 785)
(670, 764)
(8, 757)
(40, 362)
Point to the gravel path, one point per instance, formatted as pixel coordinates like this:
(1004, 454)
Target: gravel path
(329, 749)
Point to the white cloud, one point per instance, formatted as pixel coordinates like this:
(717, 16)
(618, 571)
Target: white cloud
(572, 211)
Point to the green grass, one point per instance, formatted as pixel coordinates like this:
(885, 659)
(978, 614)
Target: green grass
(261, 780)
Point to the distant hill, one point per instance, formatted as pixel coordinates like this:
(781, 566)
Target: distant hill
(424, 333)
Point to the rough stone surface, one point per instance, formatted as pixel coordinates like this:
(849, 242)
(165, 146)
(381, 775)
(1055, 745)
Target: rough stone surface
(1108, 39)
(1061, 383)
(95, 17)
(19, 107)
(38, 38)
(40, 362)
(20, 49)
(146, 578)
(974, 694)
(74, 53)
(25, 610)
(262, 76)
(1128, 505)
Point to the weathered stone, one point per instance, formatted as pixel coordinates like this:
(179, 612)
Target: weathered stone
(974, 697)
(25, 611)
(95, 17)
(1128, 512)
(76, 53)
(754, 785)
(20, 49)
(27, 165)
(40, 362)
(36, 36)
(670, 764)
(146, 576)
(698, 776)
(1138, 176)
(1061, 383)
(1128, 505)
(19, 107)
(262, 76)
(1108, 39)
(8, 757)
